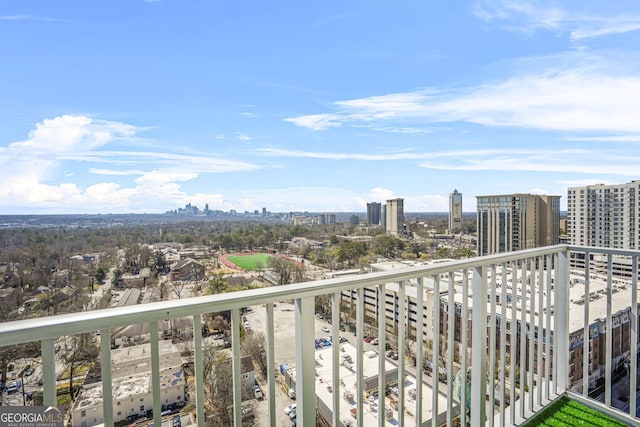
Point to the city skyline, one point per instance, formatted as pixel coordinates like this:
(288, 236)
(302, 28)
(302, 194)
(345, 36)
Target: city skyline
(146, 106)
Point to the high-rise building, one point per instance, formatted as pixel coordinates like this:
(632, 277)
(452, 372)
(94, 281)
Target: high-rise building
(455, 211)
(374, 212)
(354, 219)
(606, 216)
(513, 222)
(383, 215)
(395, 217)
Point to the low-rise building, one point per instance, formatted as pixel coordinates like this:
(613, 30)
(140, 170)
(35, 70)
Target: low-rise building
(188, 269)
(131, 386)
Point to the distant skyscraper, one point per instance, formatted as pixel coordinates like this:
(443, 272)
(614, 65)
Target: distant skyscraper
(264, 211)
(395, 217)
(383, 215)
(517, 221)
(374, 211)
(331, 219)
(354, 219)
(322, 219)
(606, 216)
(455, 211)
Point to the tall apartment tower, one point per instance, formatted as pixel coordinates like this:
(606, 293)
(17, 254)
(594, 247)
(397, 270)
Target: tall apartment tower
(374, 210)
(513, 222)
(455, 211)
(395, 217)
(606, 216)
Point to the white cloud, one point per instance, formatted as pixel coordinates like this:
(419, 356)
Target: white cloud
(316, 121)
(533, 165)
(528, 16)
(379, 193)
(541, 191)
(243, 137)
(607, 138)
(587, 181)
(97, 171)
(70, 133)
(30, 18)
(37, 172)
(591, 94)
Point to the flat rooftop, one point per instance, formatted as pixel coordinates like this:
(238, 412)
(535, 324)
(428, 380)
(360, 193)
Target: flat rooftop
(325, 388)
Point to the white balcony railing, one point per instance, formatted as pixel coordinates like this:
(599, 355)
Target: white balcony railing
(512, 318)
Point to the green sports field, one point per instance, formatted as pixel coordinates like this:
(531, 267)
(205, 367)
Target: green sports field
(248, 262)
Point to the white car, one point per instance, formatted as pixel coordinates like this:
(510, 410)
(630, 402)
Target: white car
(290, 408)
(326, 329)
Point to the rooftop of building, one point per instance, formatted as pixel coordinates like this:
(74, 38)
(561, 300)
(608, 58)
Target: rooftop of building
(129, 387)
(621, 294)
(129, 361)
(325, 388)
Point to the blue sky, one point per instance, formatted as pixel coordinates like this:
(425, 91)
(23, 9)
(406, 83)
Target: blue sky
(145, 106)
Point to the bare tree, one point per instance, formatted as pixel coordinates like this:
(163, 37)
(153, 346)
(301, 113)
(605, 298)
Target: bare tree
(219, 381)
(79, 349)
(260, 266)
(253, 344)
(176, 287)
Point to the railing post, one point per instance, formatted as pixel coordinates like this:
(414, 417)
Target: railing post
(305, 362)
(608, 336)
(359, 356)
(382, 377)
(633, 361)
(236, 368)
(271, 365)
(155, 373)
(479, 347)
(401, 354)
(49, 397)
(198, 365)
(561, 330)
(105, 369)
(335, 352)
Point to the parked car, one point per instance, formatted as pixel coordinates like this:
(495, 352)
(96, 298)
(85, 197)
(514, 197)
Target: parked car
(290, 408)
(14, 386)
(374, 341)
(176, 421)
(326, 329)
(258, 392)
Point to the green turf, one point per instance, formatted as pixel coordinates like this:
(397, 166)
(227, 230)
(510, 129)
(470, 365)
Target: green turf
(248, 262)
(566, 412)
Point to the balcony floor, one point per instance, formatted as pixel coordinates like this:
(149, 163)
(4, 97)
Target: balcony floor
(567, 412)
